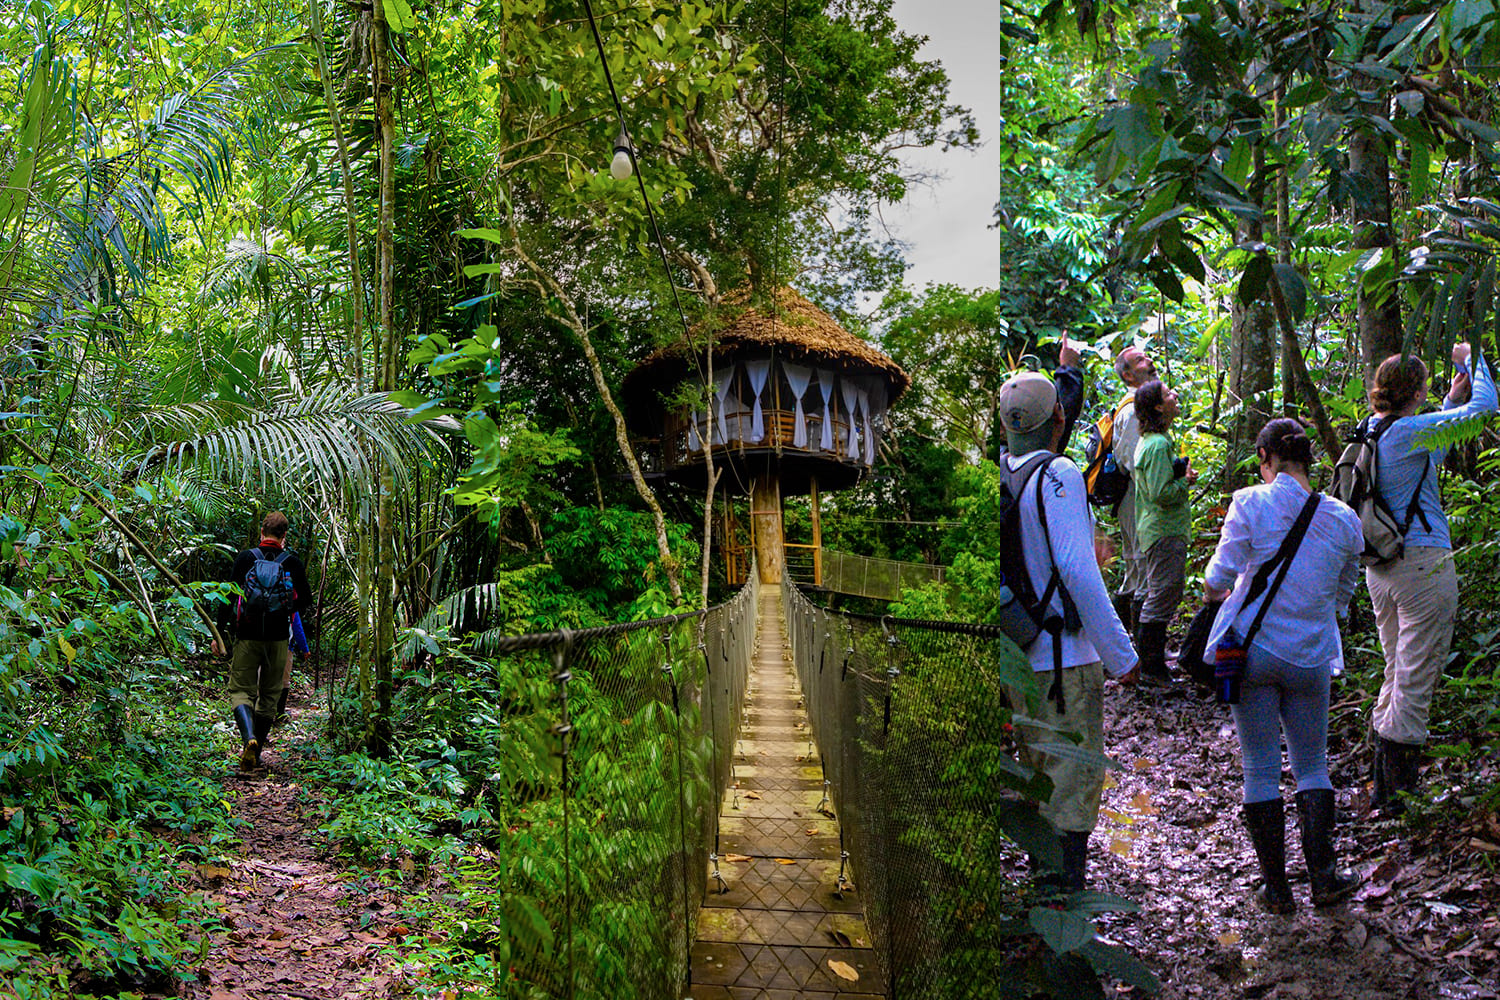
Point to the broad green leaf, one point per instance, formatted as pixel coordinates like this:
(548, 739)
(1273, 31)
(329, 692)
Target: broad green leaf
(1031, 832)
(1063, 931)
(398, 15)
(1420, 172)
(1111, 960)
(1237, 166)
(491, 235)
(1253, 281)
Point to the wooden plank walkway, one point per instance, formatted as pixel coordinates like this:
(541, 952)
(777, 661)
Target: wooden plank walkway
(778, 927)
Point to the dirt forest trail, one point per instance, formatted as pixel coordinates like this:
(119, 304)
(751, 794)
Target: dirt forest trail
(1424, 926)
(293, 924)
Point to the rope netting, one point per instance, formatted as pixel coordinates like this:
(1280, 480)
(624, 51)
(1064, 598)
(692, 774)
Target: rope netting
(644, 718)
(913, 723)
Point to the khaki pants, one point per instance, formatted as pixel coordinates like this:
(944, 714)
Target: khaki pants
(257, 673)
(1076, 785)
(1415, 599)
(1165, 566)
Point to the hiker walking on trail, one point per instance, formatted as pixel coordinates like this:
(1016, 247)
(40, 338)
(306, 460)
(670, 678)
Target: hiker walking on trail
(1056, 536)
(1163, 521)
(275, 588)
(1416, 595)
(1135, 370)
(1285, 622)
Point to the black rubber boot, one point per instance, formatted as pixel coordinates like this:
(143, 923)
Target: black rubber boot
(1329, 885)
(244, 718)
(263, 729)
(1403, 763)
(1075, 852)
(1266, 822)
(281, 702)
(1136, 603)
(1380, 790)
(1151, 644)
(1122, 603)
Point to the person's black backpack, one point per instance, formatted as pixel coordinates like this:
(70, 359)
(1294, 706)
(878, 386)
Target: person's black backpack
(268, 588)
(1355, 483)
(1025, 614)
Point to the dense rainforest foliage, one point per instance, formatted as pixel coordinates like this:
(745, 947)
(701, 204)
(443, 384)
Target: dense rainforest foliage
(367, 264)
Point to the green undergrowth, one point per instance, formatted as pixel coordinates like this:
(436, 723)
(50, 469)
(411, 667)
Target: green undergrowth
(100, 821)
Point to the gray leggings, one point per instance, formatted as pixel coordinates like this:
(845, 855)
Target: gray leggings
(1278, 696)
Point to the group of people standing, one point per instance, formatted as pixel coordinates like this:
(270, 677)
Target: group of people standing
(1287, 633)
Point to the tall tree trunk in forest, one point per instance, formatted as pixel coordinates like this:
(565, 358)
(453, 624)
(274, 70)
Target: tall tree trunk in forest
(1379, 313)
(385, 577)
(1252, 359)
(351, 212)
(1284, 255)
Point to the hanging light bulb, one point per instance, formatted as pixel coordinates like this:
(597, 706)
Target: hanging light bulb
(622, 165)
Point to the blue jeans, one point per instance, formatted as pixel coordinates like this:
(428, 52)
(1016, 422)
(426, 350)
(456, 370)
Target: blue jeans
(1278, 696)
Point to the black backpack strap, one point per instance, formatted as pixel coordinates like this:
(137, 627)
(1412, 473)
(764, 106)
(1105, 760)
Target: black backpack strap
(1414, 509)
(1281, 562)
(1054, 625)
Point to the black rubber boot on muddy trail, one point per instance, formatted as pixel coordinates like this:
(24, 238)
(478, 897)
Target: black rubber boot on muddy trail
(1329, 885)
(1266, 822)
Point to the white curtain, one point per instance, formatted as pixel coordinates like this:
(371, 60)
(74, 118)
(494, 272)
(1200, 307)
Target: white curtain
(851, 399)
(722, 383)
(694, 444)
(869, 430)
(798, 377)
(825, 385)
(758, 372)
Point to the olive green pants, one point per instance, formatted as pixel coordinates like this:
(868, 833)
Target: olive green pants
(257, 673)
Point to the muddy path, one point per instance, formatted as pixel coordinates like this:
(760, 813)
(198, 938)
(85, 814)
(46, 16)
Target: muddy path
(1425, 926)
(290, 922)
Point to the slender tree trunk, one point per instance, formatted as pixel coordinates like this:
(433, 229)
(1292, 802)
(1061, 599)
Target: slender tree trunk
(1379, 313)
(549, 286)
(1284, 255)
(385, 577)
(351, 212)
(1252, 361)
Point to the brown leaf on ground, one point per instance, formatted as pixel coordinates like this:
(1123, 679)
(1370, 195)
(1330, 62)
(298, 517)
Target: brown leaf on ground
(843, 970)
(735, 857)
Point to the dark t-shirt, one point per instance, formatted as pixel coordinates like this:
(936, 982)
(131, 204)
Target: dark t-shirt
(248, 625)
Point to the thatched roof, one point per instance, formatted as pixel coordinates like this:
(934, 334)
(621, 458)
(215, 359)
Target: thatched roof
(794, 328)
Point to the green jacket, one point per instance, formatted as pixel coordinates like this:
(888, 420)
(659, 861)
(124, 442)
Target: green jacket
(1161, 502)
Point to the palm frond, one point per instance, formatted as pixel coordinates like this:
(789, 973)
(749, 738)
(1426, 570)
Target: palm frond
(466, 612)
(330, 438)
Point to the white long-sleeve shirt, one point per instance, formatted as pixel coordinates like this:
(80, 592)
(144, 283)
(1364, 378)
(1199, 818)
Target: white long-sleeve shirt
(1302, 624)
(1071, 527)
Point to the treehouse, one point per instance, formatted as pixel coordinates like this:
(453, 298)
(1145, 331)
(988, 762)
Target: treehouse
(784, 400)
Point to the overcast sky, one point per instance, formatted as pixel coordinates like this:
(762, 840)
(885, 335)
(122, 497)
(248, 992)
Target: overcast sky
(946, 224)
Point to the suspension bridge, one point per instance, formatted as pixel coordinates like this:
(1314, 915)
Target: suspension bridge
(809, 804)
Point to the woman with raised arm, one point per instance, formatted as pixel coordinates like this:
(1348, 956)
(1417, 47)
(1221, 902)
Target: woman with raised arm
(1163, 521)
(1293, 648)
(1416, 596)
